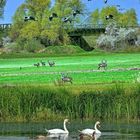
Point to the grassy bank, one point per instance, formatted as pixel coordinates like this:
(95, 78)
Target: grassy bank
(42, 103)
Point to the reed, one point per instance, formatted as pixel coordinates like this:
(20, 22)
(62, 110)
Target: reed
(31, 103)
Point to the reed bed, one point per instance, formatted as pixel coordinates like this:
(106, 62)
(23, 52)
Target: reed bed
(31, 103)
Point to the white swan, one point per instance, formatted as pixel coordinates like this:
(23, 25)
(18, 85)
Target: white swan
(91, 131)
(59, 131)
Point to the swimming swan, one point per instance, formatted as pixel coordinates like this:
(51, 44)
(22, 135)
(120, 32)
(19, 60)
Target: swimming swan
(59, 131)
(91, 131)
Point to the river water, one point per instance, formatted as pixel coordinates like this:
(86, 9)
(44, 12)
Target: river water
(29, 131)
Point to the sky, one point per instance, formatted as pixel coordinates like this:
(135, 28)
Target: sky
(91, 5)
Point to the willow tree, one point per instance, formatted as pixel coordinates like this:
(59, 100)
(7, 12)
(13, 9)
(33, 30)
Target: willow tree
(48, 31)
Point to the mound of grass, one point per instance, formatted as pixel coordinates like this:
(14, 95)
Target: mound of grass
(63, 50)
(45, 52)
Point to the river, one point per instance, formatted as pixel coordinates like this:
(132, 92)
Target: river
(29, 131)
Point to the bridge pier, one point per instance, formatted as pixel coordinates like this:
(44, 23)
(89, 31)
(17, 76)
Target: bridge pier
(77, 37)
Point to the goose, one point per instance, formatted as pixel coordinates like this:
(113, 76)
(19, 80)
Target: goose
(59, 131)
(91, 131)
(87, 136)
(40, 137)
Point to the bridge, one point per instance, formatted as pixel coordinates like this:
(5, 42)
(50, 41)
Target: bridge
(77, 33)
(80, 33)
(5, 26)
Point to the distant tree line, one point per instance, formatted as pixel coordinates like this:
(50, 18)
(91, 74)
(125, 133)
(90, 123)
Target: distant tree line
(125, 18)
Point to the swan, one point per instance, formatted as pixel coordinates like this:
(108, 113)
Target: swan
(91, 131)
(59, 131)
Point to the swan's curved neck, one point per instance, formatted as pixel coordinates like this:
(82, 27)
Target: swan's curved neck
(65, 127)
(96, 129)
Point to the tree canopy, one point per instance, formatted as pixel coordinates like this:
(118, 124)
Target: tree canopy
(2, 4)
(44, 27)
(127, 18)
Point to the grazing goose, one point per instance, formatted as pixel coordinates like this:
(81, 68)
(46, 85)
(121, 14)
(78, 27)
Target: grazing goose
(87, 136)
(59, 131)
(91, 131)
(40, 137)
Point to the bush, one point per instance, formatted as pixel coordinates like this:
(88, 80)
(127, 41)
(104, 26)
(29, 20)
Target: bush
(119, 38)
(11, 48)
(33, 45)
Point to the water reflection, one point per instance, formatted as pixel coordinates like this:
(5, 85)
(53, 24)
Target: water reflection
(89, 137)
(51, 137)
(10, 131)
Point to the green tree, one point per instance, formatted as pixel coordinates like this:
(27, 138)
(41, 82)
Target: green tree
(2, 4)
(123, 19)
(129, 18)
(109, 10)
(48, 32)
(95, 17)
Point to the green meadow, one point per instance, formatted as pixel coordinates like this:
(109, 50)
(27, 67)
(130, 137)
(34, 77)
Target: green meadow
(83, 69)
(29, 93)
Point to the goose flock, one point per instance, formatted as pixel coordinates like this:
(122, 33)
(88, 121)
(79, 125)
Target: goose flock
(85, 134)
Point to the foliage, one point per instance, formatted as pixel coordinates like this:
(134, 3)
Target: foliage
(48, 32)
(109, 10)
(2, 4)
(33, 45)
(95, 17)
(128, 18)
(118, 38)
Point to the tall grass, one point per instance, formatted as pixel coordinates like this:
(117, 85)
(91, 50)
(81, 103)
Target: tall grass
(29, 103)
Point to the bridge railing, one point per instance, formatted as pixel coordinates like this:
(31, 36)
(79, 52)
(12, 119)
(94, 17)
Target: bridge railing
(81, 26)
(90, 26)
(5, 26)
(85, 26)
(96, 26)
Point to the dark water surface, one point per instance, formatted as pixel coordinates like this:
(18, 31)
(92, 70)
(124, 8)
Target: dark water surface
(28, 131)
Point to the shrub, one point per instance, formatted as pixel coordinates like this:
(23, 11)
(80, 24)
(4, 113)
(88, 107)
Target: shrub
(118, 38)
(33, 45)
